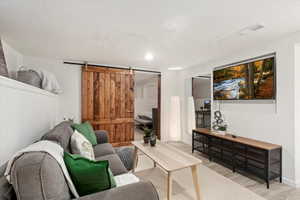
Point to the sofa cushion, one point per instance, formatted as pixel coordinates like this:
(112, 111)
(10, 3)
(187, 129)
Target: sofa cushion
(87, 131)
(81, 146)
(115, 164)
(89, 176)
(61, 134)
(135, 191)
(126, 154)
(103, 149)
(38, 176)
(6, 190)
(102, 136)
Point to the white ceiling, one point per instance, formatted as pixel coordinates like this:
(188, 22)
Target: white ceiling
(121, 32)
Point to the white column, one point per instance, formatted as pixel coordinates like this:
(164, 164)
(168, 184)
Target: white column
(174, 122)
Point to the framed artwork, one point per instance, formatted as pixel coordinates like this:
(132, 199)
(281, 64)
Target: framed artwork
(3, 67)
(247, 81)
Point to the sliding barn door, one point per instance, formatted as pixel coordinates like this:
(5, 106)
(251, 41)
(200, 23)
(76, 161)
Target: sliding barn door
(108, 102)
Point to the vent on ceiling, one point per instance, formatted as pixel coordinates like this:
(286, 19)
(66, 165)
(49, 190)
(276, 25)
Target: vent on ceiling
(250, 29)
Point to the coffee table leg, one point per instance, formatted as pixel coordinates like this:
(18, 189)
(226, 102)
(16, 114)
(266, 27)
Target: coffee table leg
(196, 181)
(169, 186)
(154, 164)
(135, 158)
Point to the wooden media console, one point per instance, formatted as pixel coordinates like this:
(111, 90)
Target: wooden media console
(261, 159)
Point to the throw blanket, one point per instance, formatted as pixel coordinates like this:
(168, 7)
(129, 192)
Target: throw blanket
(49, 81)
(125, 179)
(53, 149)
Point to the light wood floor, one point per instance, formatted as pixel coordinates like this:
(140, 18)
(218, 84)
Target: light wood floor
(277, 191)
(138, 134)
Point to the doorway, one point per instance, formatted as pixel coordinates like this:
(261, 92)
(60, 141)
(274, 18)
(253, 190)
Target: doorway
(108, 101)
(201, 92)
(146, 103)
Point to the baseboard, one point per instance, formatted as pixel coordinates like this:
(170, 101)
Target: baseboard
(291, 182)
(187, 139)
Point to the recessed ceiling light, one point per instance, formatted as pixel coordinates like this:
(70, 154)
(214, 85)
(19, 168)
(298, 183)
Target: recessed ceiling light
(175, 68)
(149, 56)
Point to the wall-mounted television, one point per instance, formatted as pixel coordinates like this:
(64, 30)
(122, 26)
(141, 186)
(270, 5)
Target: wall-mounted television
(253, 79)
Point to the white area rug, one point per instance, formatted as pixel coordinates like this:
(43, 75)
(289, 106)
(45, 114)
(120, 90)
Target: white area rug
(213, 186)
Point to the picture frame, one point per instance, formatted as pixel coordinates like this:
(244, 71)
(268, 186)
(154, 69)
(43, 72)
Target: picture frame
(251, 79)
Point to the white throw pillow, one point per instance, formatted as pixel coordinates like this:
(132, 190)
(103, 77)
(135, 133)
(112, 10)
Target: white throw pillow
(126, 179)
(80, 145)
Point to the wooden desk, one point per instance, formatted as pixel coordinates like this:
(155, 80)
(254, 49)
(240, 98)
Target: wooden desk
(170, 159)
(262, 159)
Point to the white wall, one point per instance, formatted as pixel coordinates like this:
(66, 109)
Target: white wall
(26, 114)
(146, 94)
(297, 111)
(265, 121)
(69, 78)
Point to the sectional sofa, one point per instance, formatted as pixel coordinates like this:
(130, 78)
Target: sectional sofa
(38, 176)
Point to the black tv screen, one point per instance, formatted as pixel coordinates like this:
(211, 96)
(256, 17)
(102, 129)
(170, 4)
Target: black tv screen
(246, 81)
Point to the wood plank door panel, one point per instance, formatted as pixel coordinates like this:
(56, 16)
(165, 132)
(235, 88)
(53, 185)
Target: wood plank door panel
(108, 102)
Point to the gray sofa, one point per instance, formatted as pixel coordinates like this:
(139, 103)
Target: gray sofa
(37, 176)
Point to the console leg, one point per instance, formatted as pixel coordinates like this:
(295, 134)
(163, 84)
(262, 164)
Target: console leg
(267, 164)
(193, 142)
(280, 178)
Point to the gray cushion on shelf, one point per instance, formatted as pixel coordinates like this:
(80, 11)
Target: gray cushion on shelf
(103, 149)
(38, 176)
(126, 155)
(115, 164)
(61, 134)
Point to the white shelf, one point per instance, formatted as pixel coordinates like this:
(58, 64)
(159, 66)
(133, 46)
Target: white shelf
(17, 85)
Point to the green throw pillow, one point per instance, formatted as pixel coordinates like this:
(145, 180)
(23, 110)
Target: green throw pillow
(87, 130)
(87, 175)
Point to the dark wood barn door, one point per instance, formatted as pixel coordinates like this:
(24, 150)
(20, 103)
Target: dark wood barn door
(108, 102)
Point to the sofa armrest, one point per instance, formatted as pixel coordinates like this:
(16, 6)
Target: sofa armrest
(102, 136)
(135, 191)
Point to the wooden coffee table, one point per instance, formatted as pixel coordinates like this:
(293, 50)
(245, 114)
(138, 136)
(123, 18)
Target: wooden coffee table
(169, 159)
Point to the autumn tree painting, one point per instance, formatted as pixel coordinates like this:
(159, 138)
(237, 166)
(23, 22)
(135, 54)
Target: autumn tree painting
(254, 80)
(231, 83)
(263, 83)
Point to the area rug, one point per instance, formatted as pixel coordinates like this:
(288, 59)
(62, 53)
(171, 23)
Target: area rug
(213, 186)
